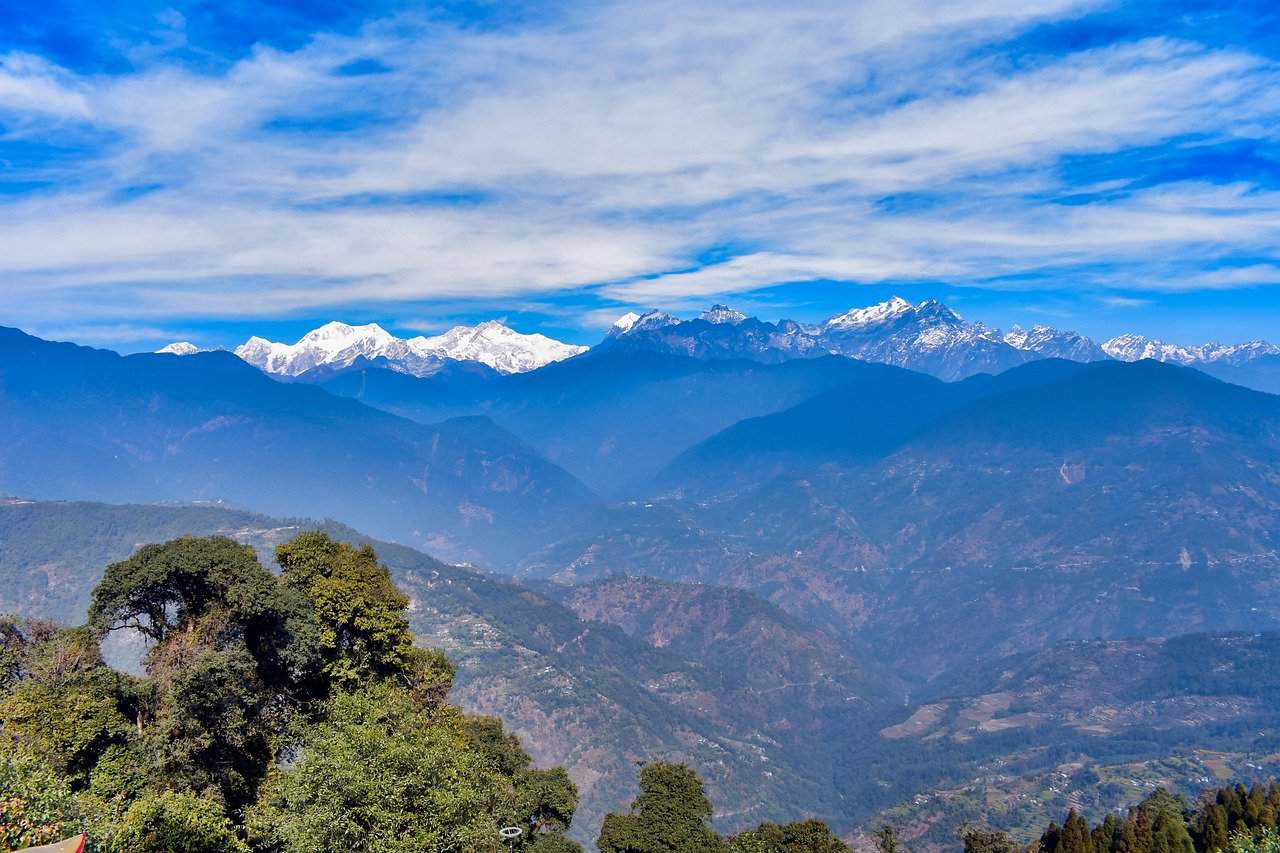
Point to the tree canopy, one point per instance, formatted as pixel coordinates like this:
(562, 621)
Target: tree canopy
(672, 814)
(282, 713)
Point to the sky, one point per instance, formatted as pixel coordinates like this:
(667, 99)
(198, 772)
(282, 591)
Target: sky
(207, 171)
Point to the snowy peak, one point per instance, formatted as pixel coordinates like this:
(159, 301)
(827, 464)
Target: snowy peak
(1053, 343)
(723, 314)
(1136, 347)
(624, 323)
(179, 348)
(339, 345)
(336, 337)
(494, 344)
(632, 322)
(873, 315)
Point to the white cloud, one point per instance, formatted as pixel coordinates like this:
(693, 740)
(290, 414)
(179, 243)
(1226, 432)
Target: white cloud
(30, 85)
(614, 146)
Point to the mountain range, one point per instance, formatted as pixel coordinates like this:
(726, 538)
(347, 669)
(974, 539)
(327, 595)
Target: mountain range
(90, 424)
(927, 337)
(809, 575)
(780, 716)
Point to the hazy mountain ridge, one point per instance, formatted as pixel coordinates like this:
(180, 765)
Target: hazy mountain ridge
(613, 418)
(82, 423)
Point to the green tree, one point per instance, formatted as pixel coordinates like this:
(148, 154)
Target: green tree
(978, 839)
(67, 700)
(171, 587)
(805, 836)
(294, 712)
(37, 805)
(1073, 837)
(671, 814)
(545, 800)
(886, 839)
(1105, 834)
(364, 633)
(1211, 827)
(378, 772)
(173, 822)
(234, 653)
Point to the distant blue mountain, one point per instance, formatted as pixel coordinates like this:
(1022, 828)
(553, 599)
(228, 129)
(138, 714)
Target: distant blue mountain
(613, 418)
(89, 424)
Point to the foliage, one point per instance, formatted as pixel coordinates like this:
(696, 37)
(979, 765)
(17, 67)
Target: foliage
(806, 836)
(671, 813)
(174, 822)
(364, 633)
(171, 587)
(66, 699)
(293, 712)
(380, 773)
(886, 839)
(1229, 818)
(1243, 842)
(37, 805)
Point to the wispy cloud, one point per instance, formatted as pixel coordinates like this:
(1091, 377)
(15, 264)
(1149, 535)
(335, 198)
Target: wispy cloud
(1124, 301)
(607, 148)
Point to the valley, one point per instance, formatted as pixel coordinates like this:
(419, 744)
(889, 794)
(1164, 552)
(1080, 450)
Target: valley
(833, 587)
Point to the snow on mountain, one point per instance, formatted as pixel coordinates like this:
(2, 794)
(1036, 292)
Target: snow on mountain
(339, 344)
(723, 314)
(1136, 347)
(179, 348)
(872, 315)
(1052, 343)
(929, 337)
(499, 347)
(631, 322)
(625, 322)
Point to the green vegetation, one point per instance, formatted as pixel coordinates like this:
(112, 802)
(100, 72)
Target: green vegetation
(277, 713)
(672, 815)
(1232, 819)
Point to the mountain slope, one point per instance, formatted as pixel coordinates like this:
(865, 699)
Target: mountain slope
(1054, 501)
(1083, 464)
(928, 337)
(612, 418)
(1086, 725)
(580, 693)
(82, 423)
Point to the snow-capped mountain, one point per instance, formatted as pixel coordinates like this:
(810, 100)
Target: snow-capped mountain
(1052, 343)
(720, 332)
(179, 348)
(928, 337)
(339, 345)
(1136, 347)
(632, 323)
(493, 344)
(723, 314)
(873, 316)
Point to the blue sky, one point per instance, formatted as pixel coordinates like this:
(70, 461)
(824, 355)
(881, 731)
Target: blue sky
(208, 171)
